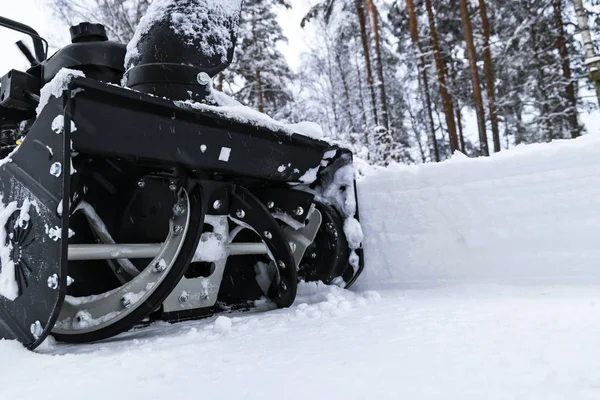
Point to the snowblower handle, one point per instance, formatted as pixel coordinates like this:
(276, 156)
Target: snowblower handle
(38, 41)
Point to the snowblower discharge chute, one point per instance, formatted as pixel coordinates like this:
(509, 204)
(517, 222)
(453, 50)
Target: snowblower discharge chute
(130, 194)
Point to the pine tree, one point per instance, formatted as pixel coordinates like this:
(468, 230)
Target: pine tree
(259, 75)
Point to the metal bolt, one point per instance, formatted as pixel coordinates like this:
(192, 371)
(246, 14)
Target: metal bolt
(184, 297)
(283, 286)
(240, 213)
(178, 209)
(178, 230)
(141, 184)
(217, 204)
(203, 78)
(85, 189)
(281, 264)
(119, 270)
(56, 169)
(271, 205)
(24, 224)
(313, 255)
(36, 329)
(125, 301)
(268, 235)
(299, 211)
(160, 266)
(292, 246)
(53, 282)
(70, 281)
(173, 187)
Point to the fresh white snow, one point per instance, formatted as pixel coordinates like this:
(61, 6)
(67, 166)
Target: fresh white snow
(481, 282)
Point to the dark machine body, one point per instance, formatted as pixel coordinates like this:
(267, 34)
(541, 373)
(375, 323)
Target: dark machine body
(125, 206)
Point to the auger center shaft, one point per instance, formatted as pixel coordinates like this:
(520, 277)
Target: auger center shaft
(85, 252)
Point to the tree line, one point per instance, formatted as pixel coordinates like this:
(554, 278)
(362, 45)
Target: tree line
(405, 80)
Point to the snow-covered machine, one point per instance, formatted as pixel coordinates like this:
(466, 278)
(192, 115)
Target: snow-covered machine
(131, 191)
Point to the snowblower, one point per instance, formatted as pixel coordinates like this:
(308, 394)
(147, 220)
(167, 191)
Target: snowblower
(132, 191)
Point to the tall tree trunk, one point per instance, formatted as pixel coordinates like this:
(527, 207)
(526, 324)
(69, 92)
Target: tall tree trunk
(379, 63)
(489, 74)
(441, 68)
(424, 80)
(220, 82)
(561, 46)
(362, 21)
(590, 52)
(466, 20)
(461, 136)
(259, 92)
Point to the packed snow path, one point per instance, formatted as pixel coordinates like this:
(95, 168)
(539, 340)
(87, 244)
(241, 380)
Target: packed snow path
(482, 282)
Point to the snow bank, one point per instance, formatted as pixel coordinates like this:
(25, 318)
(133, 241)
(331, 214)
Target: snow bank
(527, 215)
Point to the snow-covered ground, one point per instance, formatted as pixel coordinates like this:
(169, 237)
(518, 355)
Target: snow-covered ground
(482, 282)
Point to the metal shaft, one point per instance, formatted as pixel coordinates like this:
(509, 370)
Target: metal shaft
(80, 252)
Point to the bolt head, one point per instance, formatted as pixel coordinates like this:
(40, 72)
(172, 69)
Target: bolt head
(125, 301)
(141, 184)
(292, 246)
(268, 235)
(53, 282)
(184, 297)
(203, 78)
(281, 264)
(283, 286)
(178, 209)
(56, 169)
(178, 230)
(217, 204)
(36, 329)
(70, 281)
(160, 266)
(271, 205)
(313, 255)
(173, 187)
(299, 211)
(240, 213)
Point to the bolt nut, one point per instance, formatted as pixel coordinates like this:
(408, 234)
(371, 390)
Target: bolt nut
(173, 187)
(56, 169)
(53, 282)
(179, 209)
(184, 297)
(125, 301)
(268, 235)
(203, 78)
(240, 213)
(271, 205)
(178, 230)
(299, 211)
(141, 184)
(292, 246)
(281, 264)
(36, 329)
(160, 266)
(217, 204)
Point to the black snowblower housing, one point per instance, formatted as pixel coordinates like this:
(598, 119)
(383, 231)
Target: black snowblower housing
(128, 194)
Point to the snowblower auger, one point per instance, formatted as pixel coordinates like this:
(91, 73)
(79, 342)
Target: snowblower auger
(149, 200)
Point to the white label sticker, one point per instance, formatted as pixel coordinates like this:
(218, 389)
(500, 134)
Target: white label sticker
(225, 153)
